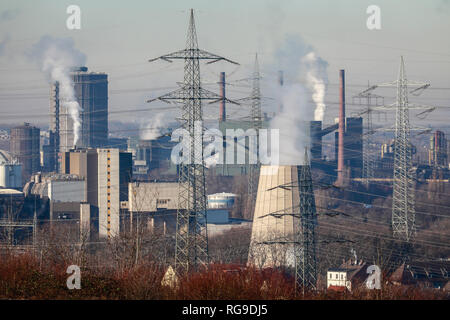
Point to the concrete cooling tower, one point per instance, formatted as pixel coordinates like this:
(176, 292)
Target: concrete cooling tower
(274, 223)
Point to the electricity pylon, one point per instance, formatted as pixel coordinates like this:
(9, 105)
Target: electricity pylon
(403, 198)
(191, 242)
(368, 159)
(305, 237)
(256, 118)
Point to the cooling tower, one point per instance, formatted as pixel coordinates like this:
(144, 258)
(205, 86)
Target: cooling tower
(274, 223)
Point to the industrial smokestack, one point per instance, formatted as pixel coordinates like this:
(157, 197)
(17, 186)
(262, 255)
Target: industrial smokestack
(222, 113)
(280, 83)
(340, 166)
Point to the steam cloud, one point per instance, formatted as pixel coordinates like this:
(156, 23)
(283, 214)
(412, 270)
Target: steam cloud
(56, 57)
(305, 77)
(153, 129)
(317, 80)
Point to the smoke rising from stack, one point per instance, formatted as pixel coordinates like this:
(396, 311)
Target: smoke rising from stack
(305, 77)
(317, 80)
(153, 129)
(56, 57)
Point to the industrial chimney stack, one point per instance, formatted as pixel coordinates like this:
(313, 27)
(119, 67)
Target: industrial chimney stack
(222, 113)
(340, 164)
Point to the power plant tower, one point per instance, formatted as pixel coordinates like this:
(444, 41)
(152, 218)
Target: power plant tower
(191, 247)
(275, 218)
(256, 118)
(283, 233)
(91, 93)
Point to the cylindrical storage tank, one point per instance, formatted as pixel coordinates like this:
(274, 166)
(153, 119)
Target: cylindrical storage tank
(221, 200)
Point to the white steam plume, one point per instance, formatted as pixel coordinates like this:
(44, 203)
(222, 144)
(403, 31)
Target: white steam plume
(56, 57)
(153, 129)
(305, 78)
(317, 80)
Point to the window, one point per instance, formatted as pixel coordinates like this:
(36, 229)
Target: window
(331, 276)
(337, 275)
(342, 277)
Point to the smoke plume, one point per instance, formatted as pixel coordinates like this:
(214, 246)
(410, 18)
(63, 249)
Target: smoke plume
(305, 78)
(316, 80)
(56, 57)
(153, 129)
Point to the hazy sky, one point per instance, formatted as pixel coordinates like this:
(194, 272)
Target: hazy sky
(118, 37)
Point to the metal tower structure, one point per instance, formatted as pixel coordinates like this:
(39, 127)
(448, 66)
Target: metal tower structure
(191, 248)
(403, 198)
(256, 118)
(368, 158)
(403, 206)
(305, 238)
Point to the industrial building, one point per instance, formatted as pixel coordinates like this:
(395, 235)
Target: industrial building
(60, 195)
(10, 172)
(91, 92)
(221, 200)
(107, 173)
(151, 154)
(231, 167)
(24, 149)
(437, 155)
(155, 204)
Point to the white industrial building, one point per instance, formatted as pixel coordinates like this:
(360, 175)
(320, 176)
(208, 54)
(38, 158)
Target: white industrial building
(108, 192)
(66, 188)
(10, 175)
(152, 196)
(10, 172)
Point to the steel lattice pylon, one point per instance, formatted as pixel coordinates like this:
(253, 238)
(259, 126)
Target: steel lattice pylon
(368, 158)
(403, 210)
(305, 238)
(191, 248)
(256, 118)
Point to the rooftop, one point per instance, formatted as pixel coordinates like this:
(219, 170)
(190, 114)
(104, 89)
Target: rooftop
(10, 192)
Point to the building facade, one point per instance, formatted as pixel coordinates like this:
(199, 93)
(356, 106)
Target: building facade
(24, 147)
(91, 92)
(107, 173)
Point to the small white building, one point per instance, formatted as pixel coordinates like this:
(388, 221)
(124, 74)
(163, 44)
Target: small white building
(338, 278)
(347, 276)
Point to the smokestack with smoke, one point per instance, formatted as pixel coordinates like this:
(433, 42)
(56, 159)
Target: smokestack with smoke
(306, 77)
(56, 57)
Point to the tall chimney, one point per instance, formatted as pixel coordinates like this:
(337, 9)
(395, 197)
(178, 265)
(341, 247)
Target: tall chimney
(280, 78)
(340, 166)
(222, 113)
(280, 83)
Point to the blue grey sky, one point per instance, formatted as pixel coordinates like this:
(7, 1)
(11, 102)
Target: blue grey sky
(118, 37)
